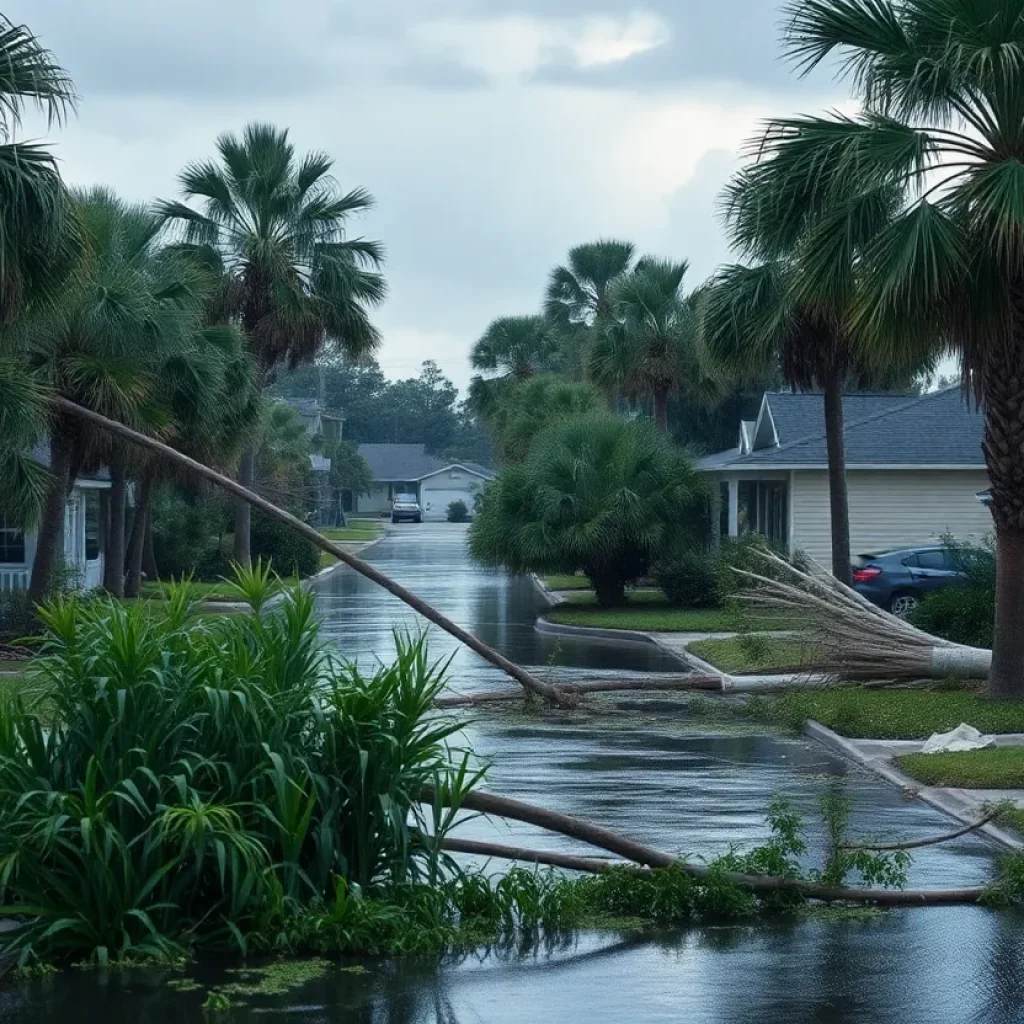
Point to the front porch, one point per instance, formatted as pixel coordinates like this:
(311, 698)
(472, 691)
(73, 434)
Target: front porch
(755, 504)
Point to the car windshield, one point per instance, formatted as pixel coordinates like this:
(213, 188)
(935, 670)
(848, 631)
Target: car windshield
(406, 499)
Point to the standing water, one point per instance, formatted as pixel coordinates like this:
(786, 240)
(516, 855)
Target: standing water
(642, 767)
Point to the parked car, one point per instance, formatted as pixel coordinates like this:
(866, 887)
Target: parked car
(897, 580)
(406, 509)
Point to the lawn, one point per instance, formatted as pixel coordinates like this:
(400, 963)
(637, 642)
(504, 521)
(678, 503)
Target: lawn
(647, 612)
(357, 531)
(889, 714)
(993, 768)
(752, 653)
(565, 582)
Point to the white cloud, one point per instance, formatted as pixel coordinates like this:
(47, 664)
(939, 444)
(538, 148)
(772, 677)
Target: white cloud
(516, 45)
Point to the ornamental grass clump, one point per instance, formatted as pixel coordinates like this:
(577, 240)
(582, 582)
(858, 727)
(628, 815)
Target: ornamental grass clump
(170, 783)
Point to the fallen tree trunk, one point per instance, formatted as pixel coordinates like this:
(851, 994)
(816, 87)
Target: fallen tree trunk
(648, 857)
(572, 690)
(521, 676)
(546, 857)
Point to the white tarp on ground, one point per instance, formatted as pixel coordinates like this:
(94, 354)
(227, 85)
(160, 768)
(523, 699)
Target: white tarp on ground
(963, 737)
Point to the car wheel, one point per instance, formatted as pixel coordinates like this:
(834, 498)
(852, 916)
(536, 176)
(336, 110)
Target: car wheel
(901, 605)
(394, 519)
(419, 519)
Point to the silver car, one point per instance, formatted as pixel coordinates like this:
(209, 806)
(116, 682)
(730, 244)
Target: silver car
(406, 508)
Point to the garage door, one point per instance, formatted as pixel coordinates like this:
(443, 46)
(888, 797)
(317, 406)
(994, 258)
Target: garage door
(439, 500)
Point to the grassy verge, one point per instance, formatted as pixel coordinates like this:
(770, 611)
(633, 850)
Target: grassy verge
(357, 531)
(214, 590)
(889, 714)
(560, 581)
(994, 768)
(755, 654)
(647, 611)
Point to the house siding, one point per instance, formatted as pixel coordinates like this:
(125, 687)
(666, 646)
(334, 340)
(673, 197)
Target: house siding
(888, 508)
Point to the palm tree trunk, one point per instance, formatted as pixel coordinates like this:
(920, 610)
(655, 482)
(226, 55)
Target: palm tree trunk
(113, 563)
(837, 493)
(137, 541)
(243, 511)
(1004, 455)
(149, 566)
(661, 409)
(50, 538)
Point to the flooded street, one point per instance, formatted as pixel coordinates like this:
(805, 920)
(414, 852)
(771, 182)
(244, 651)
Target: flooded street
(644, 767)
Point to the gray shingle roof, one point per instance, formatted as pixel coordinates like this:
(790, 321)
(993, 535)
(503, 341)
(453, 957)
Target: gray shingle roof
(937, 429)
(396, 463)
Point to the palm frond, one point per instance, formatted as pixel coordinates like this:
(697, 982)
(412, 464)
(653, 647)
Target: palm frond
(29, 72)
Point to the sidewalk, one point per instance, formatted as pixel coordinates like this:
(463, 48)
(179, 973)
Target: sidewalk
(963, 805)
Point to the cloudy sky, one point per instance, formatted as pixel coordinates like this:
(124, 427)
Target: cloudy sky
(494, 134)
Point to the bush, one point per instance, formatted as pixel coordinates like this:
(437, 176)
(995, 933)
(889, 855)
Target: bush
(195, 781)
(690, 580)
(187, 529)
(458, 512)
(745, 553)
(964, 614)
(289, 553)
(596, 493)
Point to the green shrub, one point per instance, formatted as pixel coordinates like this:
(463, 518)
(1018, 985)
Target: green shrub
(746, 553)
(197, 780)
(280, 545)
(964, 614)
(187, 529)
(690, 580)
(597, 494)
(457, 512)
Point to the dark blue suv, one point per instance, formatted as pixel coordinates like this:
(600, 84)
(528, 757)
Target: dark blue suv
(897, 580)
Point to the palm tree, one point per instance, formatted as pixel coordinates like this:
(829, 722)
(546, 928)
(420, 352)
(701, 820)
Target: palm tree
(98, 343)
(651, 346)
(577, 296)
(295, 282)
(513, 348)
(37, 237)
(942, 90)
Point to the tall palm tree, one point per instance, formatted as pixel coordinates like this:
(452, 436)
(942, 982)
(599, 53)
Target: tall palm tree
(99, 343)
(651, 347)
(513, 348)
(36, 233)
(577, 299)
(296, 283)
(942, 92)
(795, 309)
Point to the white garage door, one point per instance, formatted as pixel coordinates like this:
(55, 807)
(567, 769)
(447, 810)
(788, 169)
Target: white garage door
(436, 502)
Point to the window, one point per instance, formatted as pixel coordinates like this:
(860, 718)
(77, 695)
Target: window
(92, 525)
(932, 559)
(12, 543)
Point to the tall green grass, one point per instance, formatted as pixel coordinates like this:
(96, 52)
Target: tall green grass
(195, 779)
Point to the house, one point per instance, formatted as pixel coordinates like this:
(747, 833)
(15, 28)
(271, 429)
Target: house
(83, 537)
(914, 471)
(408, 469)
(317, 419)
(319, 423)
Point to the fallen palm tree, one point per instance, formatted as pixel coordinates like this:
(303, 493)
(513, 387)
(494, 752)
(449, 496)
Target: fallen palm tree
(645, 858)
(852, 638)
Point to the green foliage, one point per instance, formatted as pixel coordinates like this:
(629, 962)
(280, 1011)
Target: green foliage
(745, 554)
(595, 493)
(197, 780)
(656, 617)
(289, 553)
(964, 614)
(991, 768)
(457, 512)
(891, 713)
(754, 652)
(690, 580)
(187, 530)
(883, 868)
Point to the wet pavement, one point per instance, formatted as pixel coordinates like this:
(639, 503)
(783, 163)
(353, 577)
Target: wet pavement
(679, 781)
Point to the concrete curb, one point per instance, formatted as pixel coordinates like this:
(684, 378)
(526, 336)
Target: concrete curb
(553, 600)
(959, 805)
(632, 636)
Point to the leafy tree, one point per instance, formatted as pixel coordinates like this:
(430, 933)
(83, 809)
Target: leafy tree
(577, 297)
(942, 89)
(596, 493)
(350, 473)
(651, 347)
(295, 282)
(126, 308)
(529, 406)
(513, 348)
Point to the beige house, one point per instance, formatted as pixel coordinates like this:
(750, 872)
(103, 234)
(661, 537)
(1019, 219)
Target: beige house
(914, 471)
